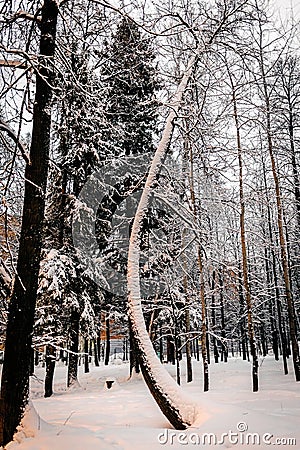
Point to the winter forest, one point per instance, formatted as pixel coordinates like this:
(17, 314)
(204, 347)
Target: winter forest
(149, 223)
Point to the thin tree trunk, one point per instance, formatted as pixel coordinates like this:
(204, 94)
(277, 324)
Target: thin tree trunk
(15, 375)
(242, 318)
(98, 347)
(86, 356)
(161, 346)
(224, 352)
(291, 128)
(277, 299)
(107, 346)
(213, 316)
(203, 326)
(177, 355)
(189, 368)
(201, 275)
(245, 270)
(171, 350)
(283, 250)
(133, 354)
(197, 349)
(31, 371)
(50, 367)
(272, 311)
(96, 352)
(72, 376)
(36, 358)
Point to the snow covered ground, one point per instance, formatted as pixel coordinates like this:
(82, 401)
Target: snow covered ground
(91, 417)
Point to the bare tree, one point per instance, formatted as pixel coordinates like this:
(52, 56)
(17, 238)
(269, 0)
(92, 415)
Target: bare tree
(266, 91)
(18, 353)
(245, 271)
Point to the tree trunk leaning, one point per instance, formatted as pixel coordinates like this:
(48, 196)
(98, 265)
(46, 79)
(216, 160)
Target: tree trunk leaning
(180, 411)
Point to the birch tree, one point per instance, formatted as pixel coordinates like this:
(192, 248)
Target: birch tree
(245, 271)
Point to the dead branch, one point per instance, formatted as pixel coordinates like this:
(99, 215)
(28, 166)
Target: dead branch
(13, 63)
(25, 15)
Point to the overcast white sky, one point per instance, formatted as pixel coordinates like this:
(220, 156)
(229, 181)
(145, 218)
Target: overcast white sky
(284, 6)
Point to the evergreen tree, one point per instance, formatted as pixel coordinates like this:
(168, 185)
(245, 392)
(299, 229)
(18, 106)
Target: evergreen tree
(130, 77)
(63, 280)
(130, 81)
(101, 119)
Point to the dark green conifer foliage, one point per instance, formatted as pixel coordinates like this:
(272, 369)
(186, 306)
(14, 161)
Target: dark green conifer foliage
(131, 106)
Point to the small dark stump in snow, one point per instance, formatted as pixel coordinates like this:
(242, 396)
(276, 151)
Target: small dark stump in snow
(109, 382)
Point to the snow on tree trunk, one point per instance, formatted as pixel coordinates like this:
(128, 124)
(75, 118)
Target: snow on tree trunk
(18, 344)
(174, 404)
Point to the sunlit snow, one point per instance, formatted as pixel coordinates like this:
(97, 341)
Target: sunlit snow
(92, 417)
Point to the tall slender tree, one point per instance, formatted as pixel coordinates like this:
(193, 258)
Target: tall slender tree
(266, 90)
(245, 269)
(18, 353)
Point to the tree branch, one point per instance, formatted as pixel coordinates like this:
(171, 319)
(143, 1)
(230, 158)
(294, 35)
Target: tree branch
(25, 15)
(13, 63)
(4, 127)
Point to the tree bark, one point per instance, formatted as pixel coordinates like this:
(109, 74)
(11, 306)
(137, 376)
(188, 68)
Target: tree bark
(72, 376)
(107, 335)
(15, 375)
(245, 270)
(280, 223)
(86, 356)
(50, 367)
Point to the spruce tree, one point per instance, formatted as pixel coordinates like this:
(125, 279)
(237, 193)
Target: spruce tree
(130, 77)
(130, 80)
(63, 279)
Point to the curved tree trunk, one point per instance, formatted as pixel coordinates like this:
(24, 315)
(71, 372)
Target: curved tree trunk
(180, 411)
